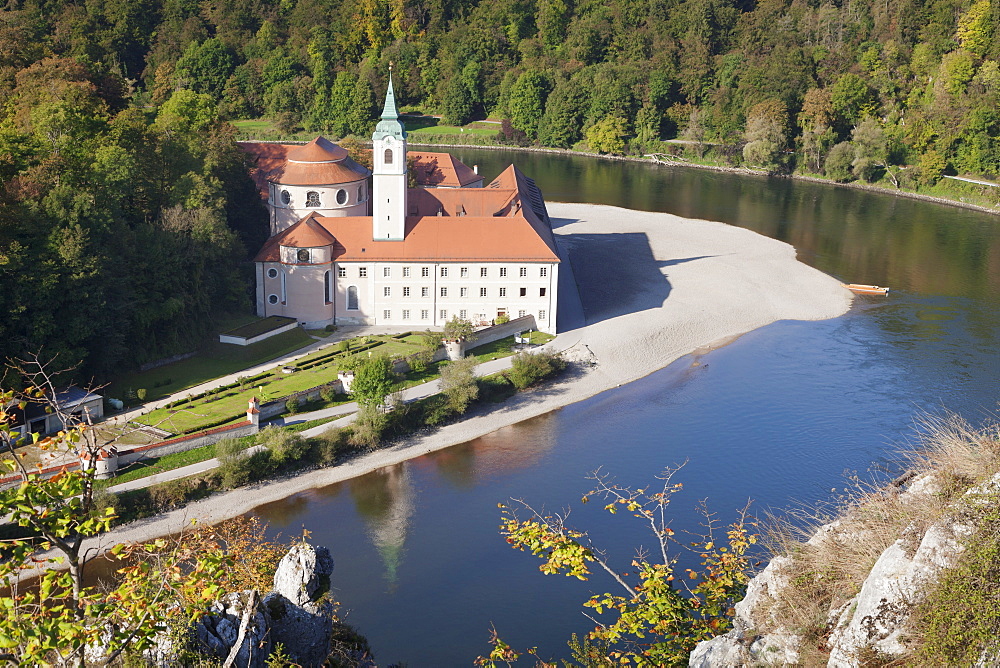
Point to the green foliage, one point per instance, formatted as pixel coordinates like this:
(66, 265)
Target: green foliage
(530, 368)
(608, 135)
(292, 406)
(650, 620)
(839, 161)
(457, 329)
(957, 621)
(57, 619)
(458, 383)
(374, 380)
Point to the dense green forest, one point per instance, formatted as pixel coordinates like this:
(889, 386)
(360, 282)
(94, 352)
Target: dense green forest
(126, 218)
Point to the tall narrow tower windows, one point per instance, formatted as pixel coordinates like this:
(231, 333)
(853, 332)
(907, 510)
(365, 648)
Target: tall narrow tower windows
(388, 156)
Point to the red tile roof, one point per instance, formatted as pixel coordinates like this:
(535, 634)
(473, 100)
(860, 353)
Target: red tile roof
(432, 239)
(319, 149)
(441, 170)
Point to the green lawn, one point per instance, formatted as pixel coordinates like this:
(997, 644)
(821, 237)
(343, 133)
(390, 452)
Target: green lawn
(215, 360)
(259, 327)
(231, 404)
(147, 467)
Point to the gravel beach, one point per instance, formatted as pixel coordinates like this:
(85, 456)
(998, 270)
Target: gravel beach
(652, 288)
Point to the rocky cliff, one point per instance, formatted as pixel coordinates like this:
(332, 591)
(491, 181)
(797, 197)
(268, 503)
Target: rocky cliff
(857, 591)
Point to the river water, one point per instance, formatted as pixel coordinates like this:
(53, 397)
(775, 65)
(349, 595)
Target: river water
(785, 416)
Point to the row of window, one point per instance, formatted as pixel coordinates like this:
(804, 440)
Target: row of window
(313, 197)
(462, 292)
(425, 314)
(425, 272)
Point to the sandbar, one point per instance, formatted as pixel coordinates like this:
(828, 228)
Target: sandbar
(652, 287)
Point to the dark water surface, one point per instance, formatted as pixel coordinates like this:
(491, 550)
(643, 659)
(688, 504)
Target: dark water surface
(780, 417)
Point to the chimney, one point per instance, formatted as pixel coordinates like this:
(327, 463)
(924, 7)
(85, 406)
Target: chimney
(475, 169)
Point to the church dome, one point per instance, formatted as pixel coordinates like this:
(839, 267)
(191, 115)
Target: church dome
(318, 163)
(320, 149)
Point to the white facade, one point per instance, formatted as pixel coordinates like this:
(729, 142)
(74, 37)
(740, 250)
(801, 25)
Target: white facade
(409, 294)
(288, 204)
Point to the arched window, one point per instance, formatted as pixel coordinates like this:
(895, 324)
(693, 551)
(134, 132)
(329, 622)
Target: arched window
(326, 287)
(361, 193)
(352, 298)
(286, 197)
(341, 196)
(312, 198)
(388, 156)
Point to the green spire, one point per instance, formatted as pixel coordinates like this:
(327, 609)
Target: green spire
(389, 111)
(390, 123)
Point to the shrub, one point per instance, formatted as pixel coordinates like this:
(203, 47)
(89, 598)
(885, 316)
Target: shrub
(292, 406)
(330, 328)
(169, 495)
(839, 162)
(285, 446)
(368, 428)
(344, 345)
(327, 393)
(420, 361)
(530, 368)
(502, 319)
(437, 410)
(329, 446)
(458, 383)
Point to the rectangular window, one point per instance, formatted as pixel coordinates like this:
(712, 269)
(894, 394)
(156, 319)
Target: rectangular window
(503, 272)
(362, 272)
(406, 314)
(541, 315)
(424, 314)
(386, 272)
(444, 314)
(387, 291)
(444, 271)
(342, 272)
(386, 314)
(541, 292)
(524, 292)
(463, 314)
(523, 272)
(503, 292)
(425, 271)
(444, 292)
(482, 292)
(482, 272)
(425, 292)
(464, 271)
(406, 272)
(406, 291)
(543, 272)
(520, 314)
(463, 292)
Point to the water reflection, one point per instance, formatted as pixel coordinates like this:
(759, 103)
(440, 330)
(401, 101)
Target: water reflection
(385, 500)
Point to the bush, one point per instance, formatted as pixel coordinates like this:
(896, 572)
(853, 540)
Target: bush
(420, 361)
(292, 406)
(458, 383)
(330, 328)
(530, 368)
(502, 319)
(839, 162)
(285, 446)
(169, 495)
(330, 446)
(368, 428)
(328, 394)
(437, 410)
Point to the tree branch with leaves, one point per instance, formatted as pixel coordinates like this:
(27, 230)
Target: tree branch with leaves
(654, 616)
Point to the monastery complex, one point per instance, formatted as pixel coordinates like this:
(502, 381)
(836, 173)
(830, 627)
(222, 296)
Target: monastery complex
(350, 246)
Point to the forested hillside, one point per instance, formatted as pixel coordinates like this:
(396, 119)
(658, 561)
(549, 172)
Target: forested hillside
(125, 213)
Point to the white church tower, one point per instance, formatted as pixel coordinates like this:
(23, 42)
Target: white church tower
(389, 175)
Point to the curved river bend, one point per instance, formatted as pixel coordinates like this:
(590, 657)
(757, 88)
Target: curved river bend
(782, 416)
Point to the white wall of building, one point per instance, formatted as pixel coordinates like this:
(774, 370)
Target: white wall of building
(355, 196)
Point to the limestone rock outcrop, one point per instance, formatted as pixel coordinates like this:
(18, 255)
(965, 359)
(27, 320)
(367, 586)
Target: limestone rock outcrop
(876, 619)
(296, 614)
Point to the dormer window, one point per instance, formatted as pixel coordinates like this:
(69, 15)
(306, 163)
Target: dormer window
(388, 156)
(312, 198)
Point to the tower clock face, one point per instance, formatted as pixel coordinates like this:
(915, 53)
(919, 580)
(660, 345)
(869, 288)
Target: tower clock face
(303, 255)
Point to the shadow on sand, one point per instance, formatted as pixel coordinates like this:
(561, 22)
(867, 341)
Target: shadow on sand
(615, 274)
